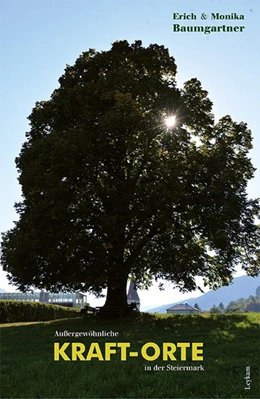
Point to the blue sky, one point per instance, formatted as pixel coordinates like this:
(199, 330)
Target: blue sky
(39, 37)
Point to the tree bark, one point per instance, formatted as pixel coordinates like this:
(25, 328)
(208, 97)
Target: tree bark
(116, 290)
(117, 274)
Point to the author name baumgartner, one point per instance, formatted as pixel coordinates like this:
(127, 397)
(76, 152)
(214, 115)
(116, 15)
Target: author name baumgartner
(217, 16)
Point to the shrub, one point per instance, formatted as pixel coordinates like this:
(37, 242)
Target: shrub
(13, 311)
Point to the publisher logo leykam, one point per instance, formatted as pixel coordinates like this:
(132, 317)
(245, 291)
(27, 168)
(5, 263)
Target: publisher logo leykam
(233, 26)
(247, 378)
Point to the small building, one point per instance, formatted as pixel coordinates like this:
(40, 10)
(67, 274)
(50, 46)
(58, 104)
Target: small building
(132, 296)
(69, 299)
(182, 308)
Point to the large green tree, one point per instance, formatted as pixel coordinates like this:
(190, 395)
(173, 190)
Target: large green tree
(109, 191)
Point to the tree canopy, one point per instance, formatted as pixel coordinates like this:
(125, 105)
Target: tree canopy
(196, 306)
(250, 304)
(110, 192)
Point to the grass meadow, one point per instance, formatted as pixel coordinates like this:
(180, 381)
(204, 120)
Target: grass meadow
(231, 353)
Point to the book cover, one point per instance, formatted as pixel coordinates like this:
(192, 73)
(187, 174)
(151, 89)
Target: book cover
(138, 177)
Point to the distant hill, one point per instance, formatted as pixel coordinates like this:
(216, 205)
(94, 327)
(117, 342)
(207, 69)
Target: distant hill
(241, 287)
(1, 290)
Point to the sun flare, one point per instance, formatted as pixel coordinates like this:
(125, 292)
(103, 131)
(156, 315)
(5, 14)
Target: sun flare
(170, 121)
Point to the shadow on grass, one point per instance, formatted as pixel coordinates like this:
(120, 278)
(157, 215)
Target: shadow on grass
(230, 343)
(152, 322)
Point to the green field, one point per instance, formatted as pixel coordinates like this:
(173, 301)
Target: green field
(230, 346)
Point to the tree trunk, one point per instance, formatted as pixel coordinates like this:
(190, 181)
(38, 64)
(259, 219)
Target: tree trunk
(116, 300)
(116, 290)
